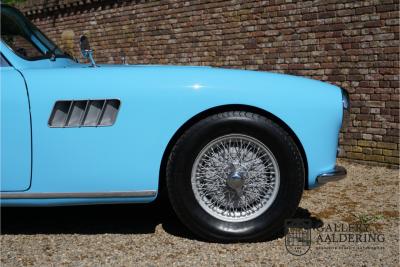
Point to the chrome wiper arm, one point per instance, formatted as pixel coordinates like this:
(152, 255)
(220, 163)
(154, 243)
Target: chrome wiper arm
(52, 54)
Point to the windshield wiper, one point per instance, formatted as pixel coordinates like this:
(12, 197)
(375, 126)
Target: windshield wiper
(52, 54)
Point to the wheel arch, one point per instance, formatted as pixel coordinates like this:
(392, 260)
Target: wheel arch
(219, 109)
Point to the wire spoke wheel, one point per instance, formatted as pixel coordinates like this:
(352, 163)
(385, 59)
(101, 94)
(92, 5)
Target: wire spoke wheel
(235, 178)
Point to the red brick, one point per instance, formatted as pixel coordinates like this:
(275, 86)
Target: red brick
(353, 45)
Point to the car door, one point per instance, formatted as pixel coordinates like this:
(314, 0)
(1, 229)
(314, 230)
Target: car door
(15, 130)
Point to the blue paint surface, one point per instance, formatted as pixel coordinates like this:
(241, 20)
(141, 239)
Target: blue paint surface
(15, 132)
(155, 102)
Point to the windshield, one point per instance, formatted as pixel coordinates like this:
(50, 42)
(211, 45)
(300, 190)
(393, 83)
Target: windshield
(24, 38)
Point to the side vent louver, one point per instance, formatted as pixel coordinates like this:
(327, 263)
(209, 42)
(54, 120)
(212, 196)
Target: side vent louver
(82, 113)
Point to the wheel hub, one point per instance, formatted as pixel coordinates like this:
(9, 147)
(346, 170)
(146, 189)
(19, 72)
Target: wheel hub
(235, 178)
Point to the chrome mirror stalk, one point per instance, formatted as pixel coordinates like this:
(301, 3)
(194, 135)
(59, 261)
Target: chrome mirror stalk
(86, 51)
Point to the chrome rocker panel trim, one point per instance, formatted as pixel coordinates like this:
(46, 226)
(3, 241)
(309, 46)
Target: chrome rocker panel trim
(336, 174)
(147, 193)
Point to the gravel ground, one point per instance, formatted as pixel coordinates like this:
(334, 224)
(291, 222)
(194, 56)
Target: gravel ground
(149, 235)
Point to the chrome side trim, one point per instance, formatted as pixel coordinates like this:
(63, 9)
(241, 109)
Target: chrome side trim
(147, 193)
(337, 173)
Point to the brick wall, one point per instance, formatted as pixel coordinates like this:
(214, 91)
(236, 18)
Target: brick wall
(354, 44)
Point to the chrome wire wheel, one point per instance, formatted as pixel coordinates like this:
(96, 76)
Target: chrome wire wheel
(235, 178)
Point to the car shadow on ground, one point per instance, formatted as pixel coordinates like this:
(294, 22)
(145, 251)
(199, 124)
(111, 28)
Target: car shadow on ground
(102, 219)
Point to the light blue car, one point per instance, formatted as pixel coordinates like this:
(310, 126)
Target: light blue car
(232, 150)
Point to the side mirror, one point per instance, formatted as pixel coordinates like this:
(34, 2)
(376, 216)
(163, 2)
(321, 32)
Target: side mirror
(86, 51)
(84, 43)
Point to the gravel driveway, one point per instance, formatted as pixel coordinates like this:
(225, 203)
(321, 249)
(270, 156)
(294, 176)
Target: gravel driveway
(149, 235)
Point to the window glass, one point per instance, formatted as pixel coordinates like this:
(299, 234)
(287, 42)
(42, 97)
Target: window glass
(24, 38)
(22, 46)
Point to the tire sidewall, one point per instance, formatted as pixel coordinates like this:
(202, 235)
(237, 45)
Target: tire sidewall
(291, 177)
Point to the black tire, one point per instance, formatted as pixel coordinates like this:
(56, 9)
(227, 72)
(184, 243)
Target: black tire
(189, 145)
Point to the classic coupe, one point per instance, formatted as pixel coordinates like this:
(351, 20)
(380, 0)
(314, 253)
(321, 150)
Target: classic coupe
(233, 150)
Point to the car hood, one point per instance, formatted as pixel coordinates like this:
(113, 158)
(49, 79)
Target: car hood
(185, 74)
(165, 77)
(204, 72)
